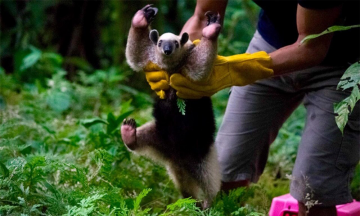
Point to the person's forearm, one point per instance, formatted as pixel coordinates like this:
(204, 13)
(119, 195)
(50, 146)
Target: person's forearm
(194, 27)
(311, 53)
(299, 56)
(198, 21)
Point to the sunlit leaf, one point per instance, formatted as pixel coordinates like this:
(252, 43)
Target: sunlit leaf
(345, 107)
(351, 77)
(342, 109)
(140, 197)
(30, 59)
(327, 31)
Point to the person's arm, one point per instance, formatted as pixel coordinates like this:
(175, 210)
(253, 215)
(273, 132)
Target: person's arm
(197, 21)
(296, 56)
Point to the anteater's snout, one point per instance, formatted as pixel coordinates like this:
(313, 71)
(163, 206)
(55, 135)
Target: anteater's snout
(167, 50)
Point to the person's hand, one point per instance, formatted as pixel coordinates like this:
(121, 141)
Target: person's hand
(236, 70)
(157, 79)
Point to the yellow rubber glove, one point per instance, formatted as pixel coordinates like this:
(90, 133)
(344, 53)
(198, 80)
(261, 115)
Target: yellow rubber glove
(157, 79)
(236, 70)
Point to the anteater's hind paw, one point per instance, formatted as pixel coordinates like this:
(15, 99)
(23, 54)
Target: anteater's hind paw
(128, 133)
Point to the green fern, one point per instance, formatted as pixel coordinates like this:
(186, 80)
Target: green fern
(181, 105)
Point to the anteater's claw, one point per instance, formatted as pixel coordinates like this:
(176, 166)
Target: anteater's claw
(131, 122)
(149, 12)
(212, 17)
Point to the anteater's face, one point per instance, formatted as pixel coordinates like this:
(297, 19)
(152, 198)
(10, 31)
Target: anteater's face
(168, 44)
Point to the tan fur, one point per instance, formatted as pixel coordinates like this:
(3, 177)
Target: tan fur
(139, 49)
(199, 64)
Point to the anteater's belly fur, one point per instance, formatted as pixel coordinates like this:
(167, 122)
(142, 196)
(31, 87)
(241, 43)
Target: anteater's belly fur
(186, 138)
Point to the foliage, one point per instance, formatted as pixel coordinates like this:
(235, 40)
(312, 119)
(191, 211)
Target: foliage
(181, 105)
(238, 28)
(329, 30)
(350, 79)
(61, 152)
(65, 156)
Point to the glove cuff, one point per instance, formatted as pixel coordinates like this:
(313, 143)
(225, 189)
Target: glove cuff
(244, 69)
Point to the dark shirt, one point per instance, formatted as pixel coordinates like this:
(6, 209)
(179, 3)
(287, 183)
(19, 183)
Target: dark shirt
(277, 25)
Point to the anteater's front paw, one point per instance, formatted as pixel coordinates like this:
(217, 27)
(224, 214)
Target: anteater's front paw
(144, 17)
(128, 133)
(212, 30)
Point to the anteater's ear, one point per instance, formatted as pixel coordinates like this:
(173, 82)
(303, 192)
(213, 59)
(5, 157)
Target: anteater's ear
(184, 38)
(154, 36)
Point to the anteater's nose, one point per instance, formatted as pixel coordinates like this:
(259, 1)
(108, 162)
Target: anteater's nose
(167, 50)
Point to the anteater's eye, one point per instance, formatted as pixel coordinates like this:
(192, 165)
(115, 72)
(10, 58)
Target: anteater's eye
(159, 44)
(176, 44)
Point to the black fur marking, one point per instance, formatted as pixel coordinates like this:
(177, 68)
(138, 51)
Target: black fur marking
(154, 36)
(186, 139)
(184, 38)
(168, 47)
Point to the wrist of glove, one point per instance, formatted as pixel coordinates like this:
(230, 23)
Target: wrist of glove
(236, 70)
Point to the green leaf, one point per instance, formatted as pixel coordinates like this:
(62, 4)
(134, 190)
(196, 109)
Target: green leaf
(90, 122)
(341, 119)
(35, 161)
(181, 105)
(2, 103)
(345, 107)
(30, 59)
(4, 170)
(53, 57)
(58, 101)
(351, 77)
(327, 31)
(80, 63)
(140, 197)
(112, 123)
(52, 189)
(124, 115)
